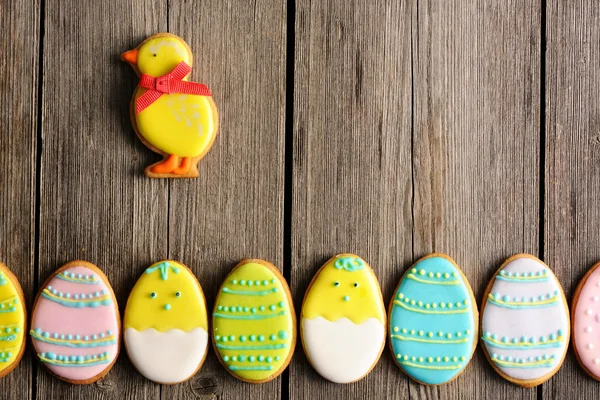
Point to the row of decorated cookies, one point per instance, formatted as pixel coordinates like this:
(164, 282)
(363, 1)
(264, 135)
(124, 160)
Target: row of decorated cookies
(432, 323)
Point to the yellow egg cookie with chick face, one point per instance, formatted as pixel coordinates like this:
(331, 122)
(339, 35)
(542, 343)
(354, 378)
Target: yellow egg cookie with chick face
(166, 323)
(343, 319)
(171, 115)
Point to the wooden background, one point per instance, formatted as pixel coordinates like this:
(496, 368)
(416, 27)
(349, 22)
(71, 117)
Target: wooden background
(386, 128)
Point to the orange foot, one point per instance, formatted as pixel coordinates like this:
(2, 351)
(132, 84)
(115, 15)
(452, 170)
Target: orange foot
(184, 167)
(167, 166)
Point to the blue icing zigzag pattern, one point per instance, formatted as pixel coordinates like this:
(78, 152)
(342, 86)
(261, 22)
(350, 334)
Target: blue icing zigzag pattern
(431, 324)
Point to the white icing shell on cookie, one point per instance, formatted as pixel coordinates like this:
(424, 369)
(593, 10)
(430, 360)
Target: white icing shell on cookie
(525, 322)
(166, 357)
(342, 351)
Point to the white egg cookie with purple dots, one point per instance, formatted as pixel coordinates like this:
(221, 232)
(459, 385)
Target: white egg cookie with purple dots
(525, 321)
(165, 323)
(433, 321)
(343, 320)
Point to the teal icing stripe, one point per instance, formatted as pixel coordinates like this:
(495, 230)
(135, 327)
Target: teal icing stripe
(250, 292)
(537, 362)
(528, 280)
(519, 305)
(82, 345)
(10, 301)
(256, 368)
(73, 278)
(249, 317)
(76, 365)
(163, 267)
(523, 277)
(349, 264)
(523, 345)
(77, 304)
(7, 338)
(258, 347)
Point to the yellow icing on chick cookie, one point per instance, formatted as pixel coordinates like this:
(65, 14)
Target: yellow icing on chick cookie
(167, 296)
(345, 287)
(188, 119)
(253, 323)
(12, 321)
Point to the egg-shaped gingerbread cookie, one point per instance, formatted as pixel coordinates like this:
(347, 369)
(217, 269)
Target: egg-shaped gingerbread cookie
(75, 323)
(254, 323)
(433, 321)
(525, 322)
(165, 323)
(12, 321)
(585, 316)
(343, 319)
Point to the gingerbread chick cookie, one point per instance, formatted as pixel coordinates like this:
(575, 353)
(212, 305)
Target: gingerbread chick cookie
(12, 321)
(343, 320)
(165, 323)
(433, 321)
(525, 323)
(75, 323)
(171, 115)
(586, 322)
(254, 323)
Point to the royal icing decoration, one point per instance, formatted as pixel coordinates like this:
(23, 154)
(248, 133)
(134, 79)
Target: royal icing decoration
(165, 323)
(254, 328)
(75, 324)
(12, 321)
(525, 320)
(586, 322)
(172, 116)
(432, 327)
(343, 320)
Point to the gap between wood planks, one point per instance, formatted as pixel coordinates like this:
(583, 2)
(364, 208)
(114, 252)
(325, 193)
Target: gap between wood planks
(38, 178)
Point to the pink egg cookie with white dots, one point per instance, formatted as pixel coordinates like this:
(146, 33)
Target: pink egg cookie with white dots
(586, 322)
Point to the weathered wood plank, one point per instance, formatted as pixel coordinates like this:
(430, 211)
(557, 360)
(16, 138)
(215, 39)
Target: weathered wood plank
(476, 150)
(352, 188)
(19, 64)
(572, 162)
(96, 204)
(234, 210)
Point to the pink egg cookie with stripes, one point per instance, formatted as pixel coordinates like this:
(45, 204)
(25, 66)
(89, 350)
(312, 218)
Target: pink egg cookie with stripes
(75, 323)
(586, 322)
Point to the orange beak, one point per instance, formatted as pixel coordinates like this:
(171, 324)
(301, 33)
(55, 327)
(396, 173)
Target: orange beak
(130, 56)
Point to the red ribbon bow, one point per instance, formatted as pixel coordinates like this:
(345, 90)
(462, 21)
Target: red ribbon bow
(166, 84)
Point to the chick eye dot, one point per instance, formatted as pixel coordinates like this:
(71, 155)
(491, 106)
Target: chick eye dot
(178, 294)
(153, 295)
(355, 284)
(336, 284)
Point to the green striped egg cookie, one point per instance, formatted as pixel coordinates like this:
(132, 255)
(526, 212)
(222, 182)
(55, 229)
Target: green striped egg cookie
(254, 324)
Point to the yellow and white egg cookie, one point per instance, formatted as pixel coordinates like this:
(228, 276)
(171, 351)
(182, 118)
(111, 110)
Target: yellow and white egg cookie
(343, 319)
(165, 323)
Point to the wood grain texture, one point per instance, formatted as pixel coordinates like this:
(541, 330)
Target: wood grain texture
(18, 123)
(234, 209)
(476, 150)
(572, 162)
(352, 187)
(96, 204)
